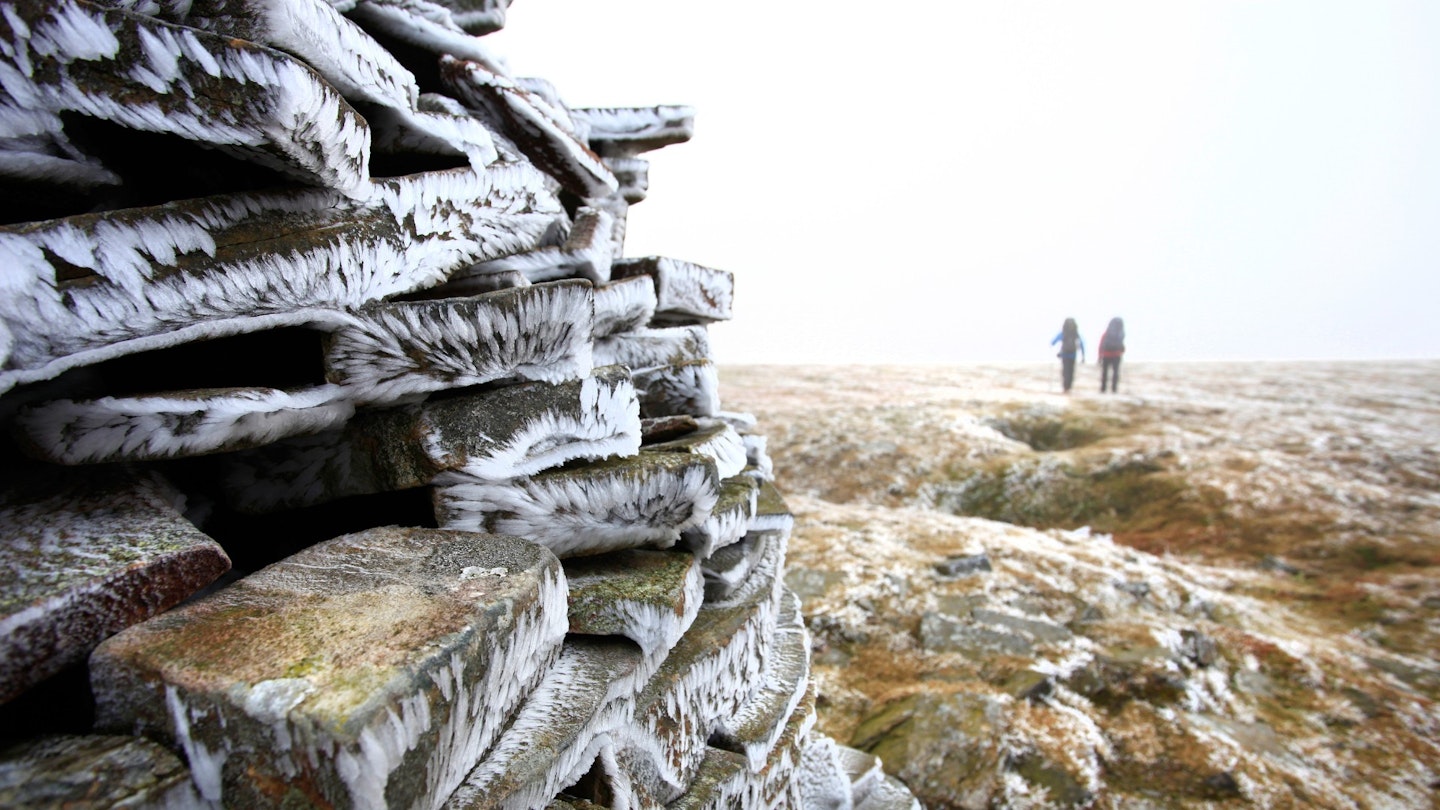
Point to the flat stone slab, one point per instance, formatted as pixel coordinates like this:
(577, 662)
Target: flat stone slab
(89, 554)
(720, 782)
(378, 355)
(633, 175)
(372, 670)
(586, 253)
(589, 693)
(623, 306)
(761, 576)
(686, 293)
(397, 350)
(822, 776)
(340, 51)
(92, 287)
(496, 434)
(710, 439)
(649, 597)
(643, 501)
(646, 348)
(176, 425)
(712, 671)
(729, 521)
(864, 770)
(138, 72)
(889, 794)
(94, 771)
(771, 512)
(541, 130)
(754, 730)
(427, 26)
(691, 388)
(626, 131)
(709, 676)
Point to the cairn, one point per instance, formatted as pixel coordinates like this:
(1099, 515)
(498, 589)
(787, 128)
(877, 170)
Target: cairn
(349, 460)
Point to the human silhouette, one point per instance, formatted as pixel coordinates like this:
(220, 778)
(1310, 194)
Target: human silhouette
(1112, 348)
(1069, 340)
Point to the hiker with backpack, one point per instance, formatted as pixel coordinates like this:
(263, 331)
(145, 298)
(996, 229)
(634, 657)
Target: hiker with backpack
(1112, 348)
(1069, 339)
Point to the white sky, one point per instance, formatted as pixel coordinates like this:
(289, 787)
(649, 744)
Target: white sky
(947, 181)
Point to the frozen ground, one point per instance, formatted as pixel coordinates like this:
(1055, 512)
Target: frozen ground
(1217, 588)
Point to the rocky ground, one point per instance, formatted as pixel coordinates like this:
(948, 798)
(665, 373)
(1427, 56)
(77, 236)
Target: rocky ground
(1215, 589)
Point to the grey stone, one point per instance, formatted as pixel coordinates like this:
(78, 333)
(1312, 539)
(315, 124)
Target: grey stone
(945, 747)
(625, 131)
(729, 520)
(493, 434)
(689, 388)
(1198, 648)
(1028, 684)
(645, 349)
(649, 597)
(811, 583)
(590, 692)
(1043, 632)
(686, 293)
(350, 672)
(93, 771)
(399, 349)
(89, 553)
(963, 564)
(759, 723)
(941, 633)
(643, 501)
(1139, 590)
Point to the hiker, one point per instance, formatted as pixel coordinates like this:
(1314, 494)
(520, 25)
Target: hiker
(1112, 348)
(1069, 338)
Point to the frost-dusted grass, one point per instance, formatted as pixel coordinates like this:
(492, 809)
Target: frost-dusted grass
(1287, 512)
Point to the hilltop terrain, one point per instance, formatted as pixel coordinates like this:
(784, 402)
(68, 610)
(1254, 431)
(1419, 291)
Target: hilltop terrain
(1217, 588)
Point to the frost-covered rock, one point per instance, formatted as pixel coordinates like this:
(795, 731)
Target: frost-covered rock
(251, 101)
(643, 501)
(372, 670)
(541, 130)
(93, 287)
(554, 740)
(94, 771)
(624, 305)
(628, 131)
(88, 553)
(691, 387)
(687, 293)
(649, 597)
(493, 435)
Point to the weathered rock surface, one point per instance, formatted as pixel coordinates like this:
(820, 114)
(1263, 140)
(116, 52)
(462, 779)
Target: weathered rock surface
(686, 293)
(94, 771)
(491, 435)
(87, 554)
(336, 673)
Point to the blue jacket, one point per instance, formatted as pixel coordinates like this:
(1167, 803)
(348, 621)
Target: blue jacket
(1079, 341)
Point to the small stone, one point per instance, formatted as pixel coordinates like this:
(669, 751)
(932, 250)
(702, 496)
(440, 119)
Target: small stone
(1272, 563)
(1139, 590)
(964, 564)
(685, 292)
(1198, 648)
(1029, 685)
(1220, 786)
(1041, 631)
(941, 633)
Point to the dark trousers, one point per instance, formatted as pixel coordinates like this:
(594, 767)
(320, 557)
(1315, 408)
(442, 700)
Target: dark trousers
(1067, 372)
(1110, 366)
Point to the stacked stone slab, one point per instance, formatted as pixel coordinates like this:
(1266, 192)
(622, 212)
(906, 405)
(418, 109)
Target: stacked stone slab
(274, 269)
